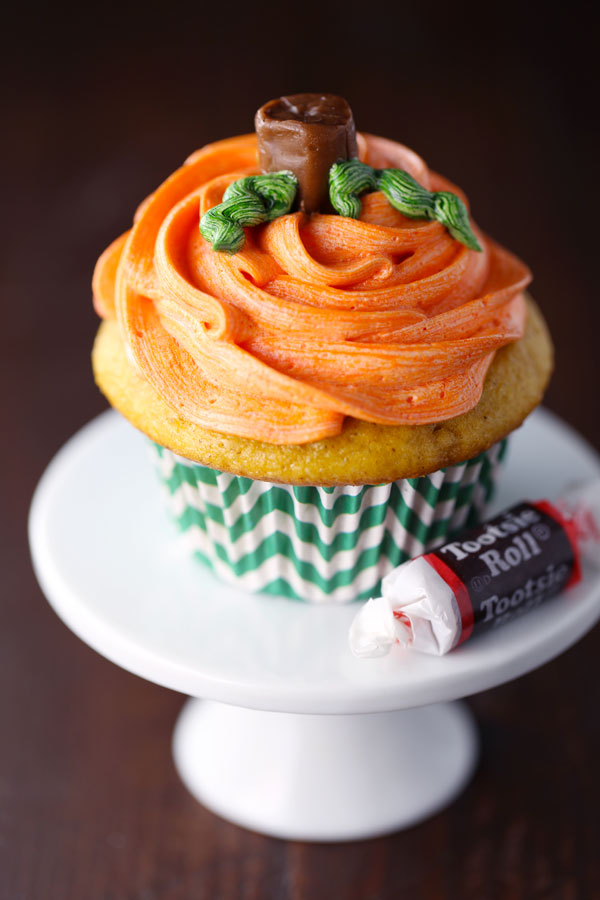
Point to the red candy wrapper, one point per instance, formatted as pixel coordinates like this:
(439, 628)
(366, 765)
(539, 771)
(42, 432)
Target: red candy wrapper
(484, 577)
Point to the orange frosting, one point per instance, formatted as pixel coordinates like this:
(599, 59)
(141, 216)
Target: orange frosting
(384, 318)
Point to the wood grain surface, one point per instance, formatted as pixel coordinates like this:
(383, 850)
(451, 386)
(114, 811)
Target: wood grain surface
(101, 103)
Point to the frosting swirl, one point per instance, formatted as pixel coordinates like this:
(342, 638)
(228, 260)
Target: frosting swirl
(383, 318)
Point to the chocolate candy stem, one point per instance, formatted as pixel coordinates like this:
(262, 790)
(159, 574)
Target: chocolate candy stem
(306, 134)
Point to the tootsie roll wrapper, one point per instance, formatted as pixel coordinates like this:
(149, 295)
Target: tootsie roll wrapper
(483, 578)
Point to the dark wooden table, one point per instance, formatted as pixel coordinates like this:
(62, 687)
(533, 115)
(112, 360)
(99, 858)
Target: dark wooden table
(101, 105)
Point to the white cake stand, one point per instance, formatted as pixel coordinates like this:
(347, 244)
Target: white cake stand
(378, 747)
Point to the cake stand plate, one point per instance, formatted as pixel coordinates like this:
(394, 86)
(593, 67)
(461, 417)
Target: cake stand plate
(377, 747)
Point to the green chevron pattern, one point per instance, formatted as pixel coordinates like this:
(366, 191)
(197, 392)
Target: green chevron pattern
(319, 544)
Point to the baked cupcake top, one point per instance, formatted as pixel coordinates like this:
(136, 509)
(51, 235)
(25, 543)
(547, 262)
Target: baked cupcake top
(388, 318)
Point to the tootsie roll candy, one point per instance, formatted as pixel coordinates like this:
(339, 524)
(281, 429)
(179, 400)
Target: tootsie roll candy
(485, 577)
(306, 134)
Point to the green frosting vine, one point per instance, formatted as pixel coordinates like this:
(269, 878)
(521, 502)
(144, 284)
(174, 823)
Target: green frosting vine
(350, 178)
(249, 201)
(262, 198)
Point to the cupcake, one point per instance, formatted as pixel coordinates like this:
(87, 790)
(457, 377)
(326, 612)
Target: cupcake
(324, 351)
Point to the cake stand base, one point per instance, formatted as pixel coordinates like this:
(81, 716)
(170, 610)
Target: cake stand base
(324, 777)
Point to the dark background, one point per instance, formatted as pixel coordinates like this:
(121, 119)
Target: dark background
(100, 104)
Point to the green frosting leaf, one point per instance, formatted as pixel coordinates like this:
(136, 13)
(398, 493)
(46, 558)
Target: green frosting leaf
(405, 194)
(452, 212)
(248, 201)
(349, 179)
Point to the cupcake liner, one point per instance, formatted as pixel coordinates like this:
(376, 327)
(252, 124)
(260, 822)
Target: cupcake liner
(319, 544)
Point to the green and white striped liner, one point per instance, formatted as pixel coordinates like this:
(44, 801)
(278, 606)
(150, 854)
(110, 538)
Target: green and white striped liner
(319, 544)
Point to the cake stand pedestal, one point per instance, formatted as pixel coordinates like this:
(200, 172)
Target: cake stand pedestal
(294, 737)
